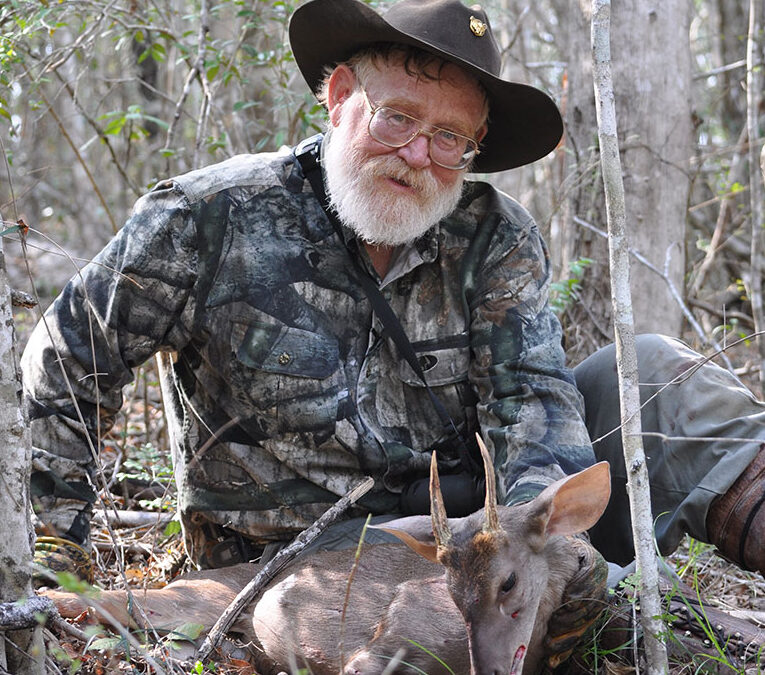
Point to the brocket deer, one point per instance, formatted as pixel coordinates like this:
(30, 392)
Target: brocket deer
(506, 570)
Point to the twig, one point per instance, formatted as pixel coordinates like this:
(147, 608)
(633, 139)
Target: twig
(672, 289)
(726, 201)
(63, 626)
(120, 518)
(347, 599)
(195, 69)
(724, 313)
(80, 159)
(204, 112)
(722, 69)
(135, 189)
(27, 614)
(679, 379)
(275, 565)
(92, 29)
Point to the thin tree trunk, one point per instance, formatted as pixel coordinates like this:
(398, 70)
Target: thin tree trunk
(653, 104)
(753, 86)
(21, 651)
(626, 357)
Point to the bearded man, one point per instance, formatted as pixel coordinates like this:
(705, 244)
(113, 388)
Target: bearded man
(286, 387)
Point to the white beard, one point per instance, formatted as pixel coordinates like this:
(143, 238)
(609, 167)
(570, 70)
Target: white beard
(375, 216)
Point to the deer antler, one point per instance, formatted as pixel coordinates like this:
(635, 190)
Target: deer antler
(441, 531)
(491, 524)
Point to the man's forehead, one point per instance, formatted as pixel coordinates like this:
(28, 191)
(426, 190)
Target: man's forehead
(410, 90)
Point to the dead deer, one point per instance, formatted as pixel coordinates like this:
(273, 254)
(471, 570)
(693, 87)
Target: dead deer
(506, 571)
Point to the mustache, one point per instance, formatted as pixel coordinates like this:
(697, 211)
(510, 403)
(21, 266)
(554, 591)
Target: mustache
(396, 168)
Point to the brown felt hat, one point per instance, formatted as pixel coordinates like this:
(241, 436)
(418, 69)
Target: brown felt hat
(524, 122)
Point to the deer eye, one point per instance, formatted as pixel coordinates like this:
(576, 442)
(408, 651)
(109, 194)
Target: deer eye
(509, 583)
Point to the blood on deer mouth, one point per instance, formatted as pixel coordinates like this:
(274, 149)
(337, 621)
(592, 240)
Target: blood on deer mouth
(520, 653)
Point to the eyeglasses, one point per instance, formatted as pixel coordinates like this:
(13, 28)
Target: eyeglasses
(395, 129)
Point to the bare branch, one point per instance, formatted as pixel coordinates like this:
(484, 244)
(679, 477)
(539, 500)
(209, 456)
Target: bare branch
(708, 342)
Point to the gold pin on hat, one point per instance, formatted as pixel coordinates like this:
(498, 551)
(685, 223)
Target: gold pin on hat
(477, 26)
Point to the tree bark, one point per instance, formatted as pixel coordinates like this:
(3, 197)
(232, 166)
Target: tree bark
(652, 79)
(626, 356)
(21, 651)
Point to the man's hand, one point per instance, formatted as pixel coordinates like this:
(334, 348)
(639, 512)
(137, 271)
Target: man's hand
(583, 601)
(55, 554)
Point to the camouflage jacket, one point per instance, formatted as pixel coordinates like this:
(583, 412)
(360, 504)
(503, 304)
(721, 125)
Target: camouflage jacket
(284, 391)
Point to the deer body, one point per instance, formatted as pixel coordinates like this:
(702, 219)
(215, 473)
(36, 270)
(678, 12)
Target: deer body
(392, 589)
(396, 597)
(506, 571)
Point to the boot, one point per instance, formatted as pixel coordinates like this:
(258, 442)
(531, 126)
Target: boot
(736, 520)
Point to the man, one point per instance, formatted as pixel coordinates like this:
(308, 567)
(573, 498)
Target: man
(285, 388)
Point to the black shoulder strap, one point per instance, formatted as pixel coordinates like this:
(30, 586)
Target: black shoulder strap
(307, 154)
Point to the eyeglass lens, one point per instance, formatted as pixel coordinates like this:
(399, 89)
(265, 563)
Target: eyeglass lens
(396, 129)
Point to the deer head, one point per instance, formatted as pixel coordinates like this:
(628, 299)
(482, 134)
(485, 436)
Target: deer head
(501, 562)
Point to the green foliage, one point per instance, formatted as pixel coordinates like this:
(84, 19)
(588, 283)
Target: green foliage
(149, 464)
(172, 528)
(134, 116)
(187, 632)
(143, 60)
(565, 292)
(601, 659)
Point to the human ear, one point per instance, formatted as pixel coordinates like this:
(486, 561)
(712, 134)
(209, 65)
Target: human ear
(342, 83)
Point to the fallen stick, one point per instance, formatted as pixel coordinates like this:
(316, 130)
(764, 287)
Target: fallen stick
(26, 614)
(274, 566)
(118, 518)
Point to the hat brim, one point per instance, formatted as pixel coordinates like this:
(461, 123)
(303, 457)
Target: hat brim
(524, 122)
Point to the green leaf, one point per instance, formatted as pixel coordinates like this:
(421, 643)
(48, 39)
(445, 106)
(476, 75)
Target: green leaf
(10, 230)
(116, 125)
(158, 52)
(173, 527)
(243, 105)
(106, 643)
(187, 631)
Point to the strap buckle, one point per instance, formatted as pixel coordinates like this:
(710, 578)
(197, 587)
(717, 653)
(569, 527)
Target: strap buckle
(307, 153)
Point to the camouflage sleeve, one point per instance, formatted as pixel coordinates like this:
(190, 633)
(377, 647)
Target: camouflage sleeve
(530, 409)
(110, 318)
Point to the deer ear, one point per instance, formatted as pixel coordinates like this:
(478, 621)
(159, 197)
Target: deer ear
(416, 532)
(574, 503)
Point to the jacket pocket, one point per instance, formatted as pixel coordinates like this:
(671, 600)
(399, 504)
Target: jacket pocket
(276, 348)
(443, 360)
(291, 376)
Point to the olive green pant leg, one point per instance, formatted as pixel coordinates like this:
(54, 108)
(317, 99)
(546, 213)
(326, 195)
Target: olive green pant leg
(700, 433)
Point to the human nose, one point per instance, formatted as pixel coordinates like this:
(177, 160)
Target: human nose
(416, 153)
